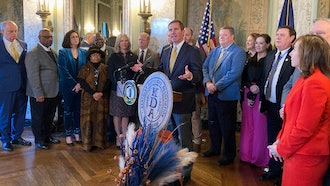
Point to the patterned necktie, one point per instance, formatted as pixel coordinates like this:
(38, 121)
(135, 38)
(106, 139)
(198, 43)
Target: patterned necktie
(271, 77)
(14, 52)
(51, 54)
(217, 64)
(173, 58)
(141, 56)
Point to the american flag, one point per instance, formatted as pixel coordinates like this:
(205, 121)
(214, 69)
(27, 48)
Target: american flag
(206, 39)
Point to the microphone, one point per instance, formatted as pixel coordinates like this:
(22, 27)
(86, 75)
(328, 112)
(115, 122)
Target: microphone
(146, 62)
(125, 66)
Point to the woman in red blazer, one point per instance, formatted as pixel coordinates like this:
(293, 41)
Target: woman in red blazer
(303, 143)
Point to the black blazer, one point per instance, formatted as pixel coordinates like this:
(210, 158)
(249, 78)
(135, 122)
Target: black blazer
(284, 76)
(188, 55)
(117, 61)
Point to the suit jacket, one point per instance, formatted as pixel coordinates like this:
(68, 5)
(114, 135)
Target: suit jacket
(43, 78)
(152, 57)
(305, 129)
(116, 61)
(285, 73)
(199, 85)
(108, 51)
(288, 86)
(227, 77)
(188, 55)
(67, 68)
(12, 74)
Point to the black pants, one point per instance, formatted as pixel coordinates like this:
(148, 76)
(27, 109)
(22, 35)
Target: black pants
(274, 125)
(326, 178)
(42, 117)
(222, 126)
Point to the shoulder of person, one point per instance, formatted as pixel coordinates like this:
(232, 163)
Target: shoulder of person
(131, 54)
(82, 50)
(35, 49)
(23, 43)
(236, 47)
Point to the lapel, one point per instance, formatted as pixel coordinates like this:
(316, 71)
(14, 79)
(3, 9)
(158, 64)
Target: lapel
(3, 46)
(223, 57)
(179, 58)
(148, 54)
(54, 57)
(270, 61)
(71, 60)
(23, 51)
(167, 56)
(286, 64)
(46, 55)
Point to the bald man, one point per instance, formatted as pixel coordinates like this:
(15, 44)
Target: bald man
(13, 100)
(42, 88)
(146, 55)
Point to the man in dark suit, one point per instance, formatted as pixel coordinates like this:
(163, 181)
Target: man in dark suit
(200, 99)
(222, 71)
(12, 87)
(277, 72)
(42, 88)
(180, 63)
(168, 38)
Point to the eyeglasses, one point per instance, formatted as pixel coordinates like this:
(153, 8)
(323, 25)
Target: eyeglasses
(47, 37)
(74, 37)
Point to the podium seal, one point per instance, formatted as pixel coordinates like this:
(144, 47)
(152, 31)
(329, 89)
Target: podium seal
(155, 101)
(129, 92)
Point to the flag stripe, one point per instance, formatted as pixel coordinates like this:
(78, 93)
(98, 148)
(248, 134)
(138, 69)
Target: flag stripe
(206, 39)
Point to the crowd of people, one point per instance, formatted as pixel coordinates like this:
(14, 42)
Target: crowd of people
(284, 94)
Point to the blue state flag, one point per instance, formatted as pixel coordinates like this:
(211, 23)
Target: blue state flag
(287, 14)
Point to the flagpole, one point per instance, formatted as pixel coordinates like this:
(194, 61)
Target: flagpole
(287, 12)
(210, 24)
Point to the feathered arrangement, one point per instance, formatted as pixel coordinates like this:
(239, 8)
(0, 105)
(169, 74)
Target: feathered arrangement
(151, 158)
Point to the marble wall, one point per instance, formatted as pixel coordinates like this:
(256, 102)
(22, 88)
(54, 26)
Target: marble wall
(233, 13)
(32, 23)
(13, 10)
(261, 16)
(245, 16)
(159, 23)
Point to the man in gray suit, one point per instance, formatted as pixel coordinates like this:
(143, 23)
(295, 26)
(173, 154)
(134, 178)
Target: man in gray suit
(148, 59)
(146, 55)
(42, 88)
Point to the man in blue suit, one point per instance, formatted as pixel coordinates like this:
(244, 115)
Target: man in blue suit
(12, 87)
(180, 62)
(222, 71)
